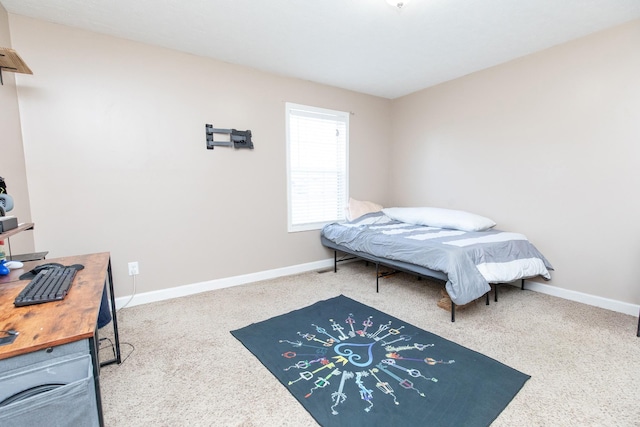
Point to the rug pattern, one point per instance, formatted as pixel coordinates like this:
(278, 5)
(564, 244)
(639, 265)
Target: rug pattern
(350, 364)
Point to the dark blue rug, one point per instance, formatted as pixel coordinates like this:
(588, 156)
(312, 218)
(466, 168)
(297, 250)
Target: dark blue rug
(349, 364)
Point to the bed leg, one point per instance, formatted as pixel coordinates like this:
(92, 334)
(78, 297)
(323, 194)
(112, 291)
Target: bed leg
(495, 293)
(522, 285)
(335, 261)
(487, 294)
(377, 276)
(453, 311)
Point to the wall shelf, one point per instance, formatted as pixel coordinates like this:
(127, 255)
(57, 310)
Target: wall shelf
(11, 61)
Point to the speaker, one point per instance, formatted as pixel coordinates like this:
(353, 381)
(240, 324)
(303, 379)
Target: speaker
(6, 203)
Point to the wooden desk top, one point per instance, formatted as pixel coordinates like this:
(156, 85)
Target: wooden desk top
(53, 323)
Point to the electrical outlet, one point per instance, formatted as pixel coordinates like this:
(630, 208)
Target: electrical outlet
(133, 268)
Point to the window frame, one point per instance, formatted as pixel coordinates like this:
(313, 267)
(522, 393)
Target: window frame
(342, 117)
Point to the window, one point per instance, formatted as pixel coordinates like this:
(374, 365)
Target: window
(317, 147)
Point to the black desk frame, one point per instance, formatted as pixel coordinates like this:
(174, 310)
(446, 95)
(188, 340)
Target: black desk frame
(94, 344)
(114, 318)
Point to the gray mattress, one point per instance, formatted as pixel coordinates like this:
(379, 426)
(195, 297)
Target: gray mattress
(466, 261)
(399, 265)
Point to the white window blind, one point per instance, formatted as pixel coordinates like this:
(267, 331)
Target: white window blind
(317, 147)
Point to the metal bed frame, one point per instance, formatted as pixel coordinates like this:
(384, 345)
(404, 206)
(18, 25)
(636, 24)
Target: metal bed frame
(421, 272)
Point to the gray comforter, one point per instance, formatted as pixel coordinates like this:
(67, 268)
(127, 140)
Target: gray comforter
(471, 260)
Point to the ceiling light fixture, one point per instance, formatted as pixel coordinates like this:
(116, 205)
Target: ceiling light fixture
(398, 4)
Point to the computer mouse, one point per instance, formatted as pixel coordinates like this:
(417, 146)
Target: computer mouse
(13, 265)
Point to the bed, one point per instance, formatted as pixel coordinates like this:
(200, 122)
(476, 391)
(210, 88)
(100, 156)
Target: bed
(462, 250)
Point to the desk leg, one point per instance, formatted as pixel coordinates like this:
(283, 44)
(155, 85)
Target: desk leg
(114, 318)
(93, 348)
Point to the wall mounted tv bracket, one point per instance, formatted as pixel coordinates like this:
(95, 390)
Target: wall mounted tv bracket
(235, 138)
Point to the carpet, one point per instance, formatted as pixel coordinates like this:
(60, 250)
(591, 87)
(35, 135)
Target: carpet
(349, 364)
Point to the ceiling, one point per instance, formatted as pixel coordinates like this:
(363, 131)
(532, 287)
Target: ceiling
(366, 46)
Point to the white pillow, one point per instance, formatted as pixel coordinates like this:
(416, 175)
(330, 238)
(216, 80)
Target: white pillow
(358, 208)
(441, 218)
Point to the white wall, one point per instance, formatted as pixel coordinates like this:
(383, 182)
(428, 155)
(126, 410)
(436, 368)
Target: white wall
(114, 136)
(547, 145)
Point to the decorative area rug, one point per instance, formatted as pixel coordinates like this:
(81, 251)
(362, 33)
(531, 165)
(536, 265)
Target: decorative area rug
(349, 364)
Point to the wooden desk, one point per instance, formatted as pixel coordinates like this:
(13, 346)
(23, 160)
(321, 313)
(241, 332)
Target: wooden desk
(45, 328)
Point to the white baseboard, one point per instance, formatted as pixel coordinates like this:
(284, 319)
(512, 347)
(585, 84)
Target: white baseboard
(596, 301)
(195, 288)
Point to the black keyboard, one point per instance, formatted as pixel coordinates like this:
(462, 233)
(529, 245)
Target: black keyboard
(51, 284)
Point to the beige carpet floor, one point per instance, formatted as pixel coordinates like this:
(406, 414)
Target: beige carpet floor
(182, 367)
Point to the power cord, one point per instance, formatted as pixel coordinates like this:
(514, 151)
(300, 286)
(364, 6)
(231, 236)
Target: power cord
(113, 348)
(132, 295)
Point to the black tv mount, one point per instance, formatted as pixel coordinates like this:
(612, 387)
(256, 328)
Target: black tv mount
(236, 138)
